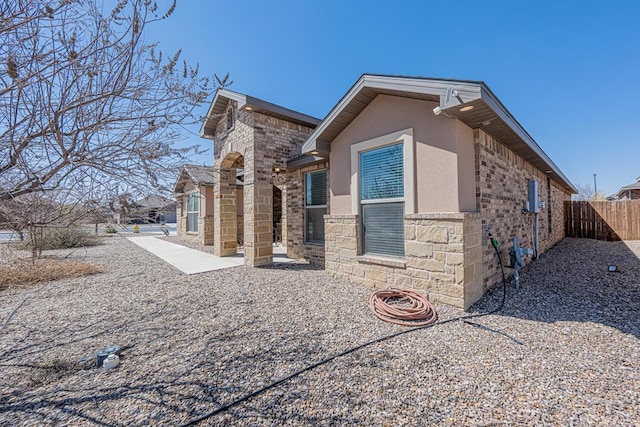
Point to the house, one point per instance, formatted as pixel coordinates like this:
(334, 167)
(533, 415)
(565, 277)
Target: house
(193, 191)
(629, 192)
(396, 186)
(155, 209)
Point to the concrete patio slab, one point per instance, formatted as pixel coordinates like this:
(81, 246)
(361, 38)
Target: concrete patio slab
(192, 261)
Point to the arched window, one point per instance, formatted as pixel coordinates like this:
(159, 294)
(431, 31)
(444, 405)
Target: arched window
(230, 118)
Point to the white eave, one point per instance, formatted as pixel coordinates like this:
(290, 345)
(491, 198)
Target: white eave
(488, 113)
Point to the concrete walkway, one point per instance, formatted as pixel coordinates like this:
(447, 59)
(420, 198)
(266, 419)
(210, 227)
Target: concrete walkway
(192, 261)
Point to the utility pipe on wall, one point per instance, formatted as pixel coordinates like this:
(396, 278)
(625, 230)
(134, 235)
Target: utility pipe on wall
(532, 205)
(535, 239)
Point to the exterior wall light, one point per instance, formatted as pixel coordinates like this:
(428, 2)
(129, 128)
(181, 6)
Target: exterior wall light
(467, 108)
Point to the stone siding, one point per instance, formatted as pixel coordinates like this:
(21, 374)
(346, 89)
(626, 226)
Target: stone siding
(297, 248)
(501, 189)
(181, 216)
(443, 256)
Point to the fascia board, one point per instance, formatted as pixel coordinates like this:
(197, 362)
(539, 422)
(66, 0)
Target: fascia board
(467, 91)
(310, 143)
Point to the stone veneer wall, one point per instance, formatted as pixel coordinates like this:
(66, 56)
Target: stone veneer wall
(181, 218)
(443, 256)
(205, 230)
(501, 189)
(297, 248)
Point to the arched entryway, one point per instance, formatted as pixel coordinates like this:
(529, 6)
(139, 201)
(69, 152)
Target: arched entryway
(226, 206)
(252, 212)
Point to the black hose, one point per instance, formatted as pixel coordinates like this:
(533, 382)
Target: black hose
(354, 349)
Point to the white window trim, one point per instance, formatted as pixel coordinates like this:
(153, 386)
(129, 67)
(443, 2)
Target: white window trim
(406, 137)
(197, 195)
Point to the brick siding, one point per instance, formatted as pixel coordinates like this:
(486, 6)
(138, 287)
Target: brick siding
(263, 142)
(501, 189)
(297, 248)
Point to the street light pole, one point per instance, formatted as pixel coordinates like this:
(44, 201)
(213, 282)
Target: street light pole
(595, 185)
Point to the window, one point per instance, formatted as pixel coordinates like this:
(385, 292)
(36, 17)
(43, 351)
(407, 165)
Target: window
(315, 205)
(193, 211)
(382, 200)
(230, 118)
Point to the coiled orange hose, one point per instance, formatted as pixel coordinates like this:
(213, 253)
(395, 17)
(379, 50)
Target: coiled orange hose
(402, 307)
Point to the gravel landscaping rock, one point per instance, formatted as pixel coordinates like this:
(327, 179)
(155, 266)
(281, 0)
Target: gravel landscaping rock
(563, 351)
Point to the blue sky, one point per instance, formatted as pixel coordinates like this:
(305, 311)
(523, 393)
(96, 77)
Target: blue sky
(569, 71)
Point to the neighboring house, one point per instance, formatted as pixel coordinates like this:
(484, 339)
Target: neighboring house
(155, 209)
(395, 187)
(629, 192)
(194, 209)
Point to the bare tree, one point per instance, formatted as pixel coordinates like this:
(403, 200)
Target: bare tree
(83, 97)
(586, 193)
(37, 213)
(122, 205)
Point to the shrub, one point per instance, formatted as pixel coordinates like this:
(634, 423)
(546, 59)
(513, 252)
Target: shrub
(66, 238)
(110, 229)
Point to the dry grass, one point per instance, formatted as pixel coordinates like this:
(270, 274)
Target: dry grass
(21, 272)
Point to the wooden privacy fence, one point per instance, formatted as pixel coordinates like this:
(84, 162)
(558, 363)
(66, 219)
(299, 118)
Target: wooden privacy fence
(617, 220)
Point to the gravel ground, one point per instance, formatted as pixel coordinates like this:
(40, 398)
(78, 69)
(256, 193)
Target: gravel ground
(563, 351)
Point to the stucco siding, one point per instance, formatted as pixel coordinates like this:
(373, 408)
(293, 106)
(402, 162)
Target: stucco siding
(443, 154)
(466, 168)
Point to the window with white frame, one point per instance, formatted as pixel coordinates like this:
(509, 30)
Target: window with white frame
(382, 200)
(315, 205)
(193, 211)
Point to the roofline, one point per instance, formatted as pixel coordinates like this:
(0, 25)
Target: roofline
(378, 81)
(471, 90)
(302, 161)
(630, 187)
(226, 93)
(257, 104)
(511, 121)
(185, 170)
